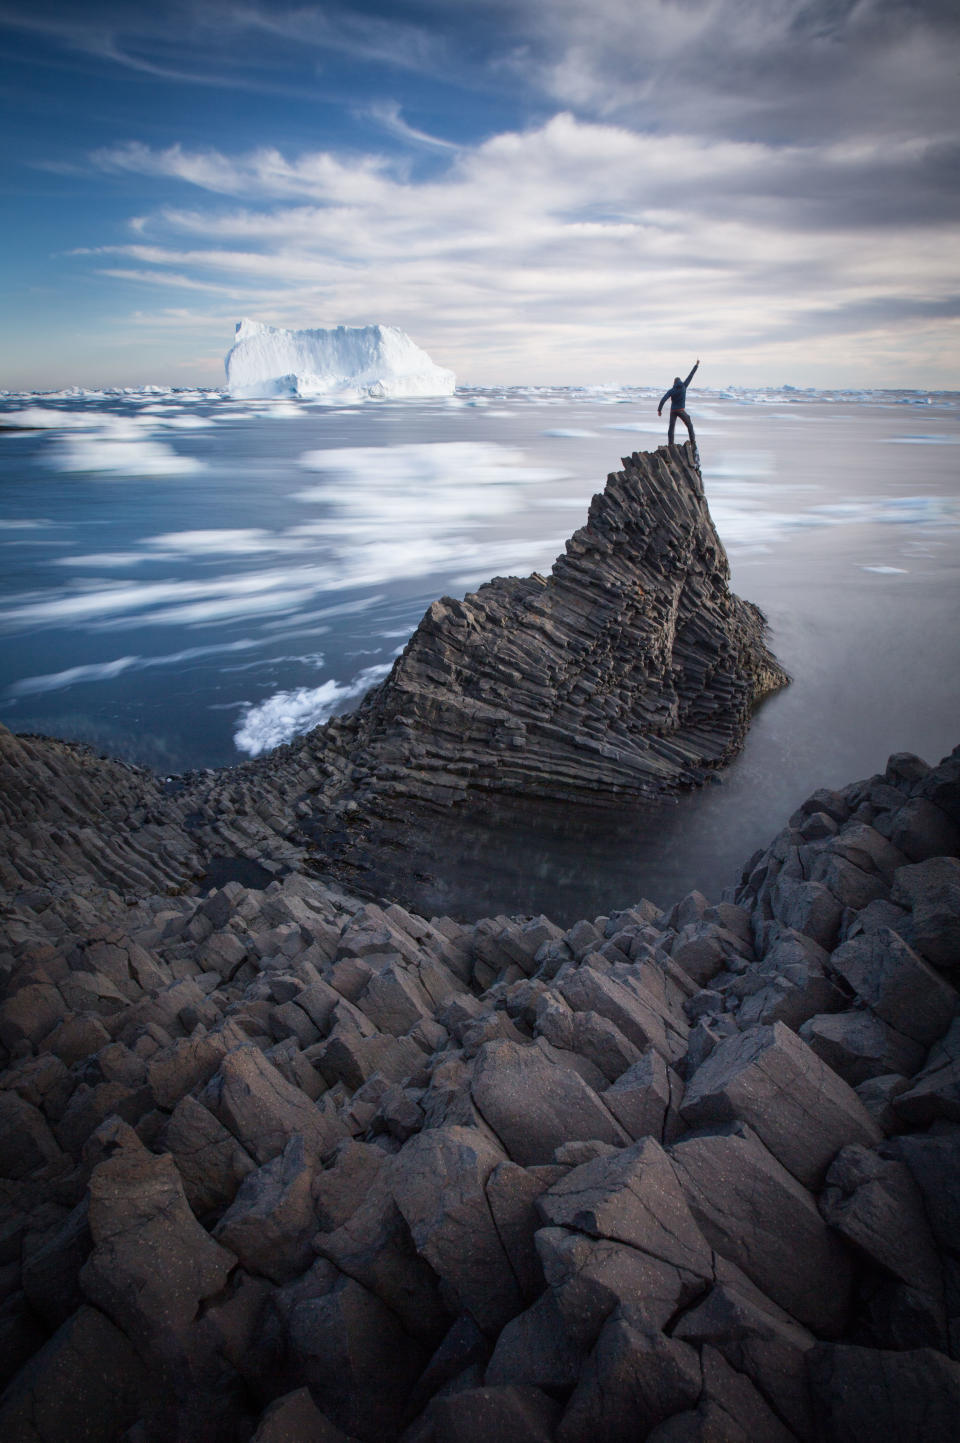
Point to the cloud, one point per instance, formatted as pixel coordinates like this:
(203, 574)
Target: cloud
(573, 240)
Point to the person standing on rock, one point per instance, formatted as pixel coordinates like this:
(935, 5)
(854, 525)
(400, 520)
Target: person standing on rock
(677, 395)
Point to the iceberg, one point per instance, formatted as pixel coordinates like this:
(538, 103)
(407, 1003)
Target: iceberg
(267, 361)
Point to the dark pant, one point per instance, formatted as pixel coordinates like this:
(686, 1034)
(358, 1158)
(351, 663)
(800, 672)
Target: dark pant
(686, 421)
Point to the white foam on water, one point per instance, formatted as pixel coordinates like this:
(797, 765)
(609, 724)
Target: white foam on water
(288, 714)
(887, 570)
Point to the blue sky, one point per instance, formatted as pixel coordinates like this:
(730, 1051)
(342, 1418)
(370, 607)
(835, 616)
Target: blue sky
(537, 191)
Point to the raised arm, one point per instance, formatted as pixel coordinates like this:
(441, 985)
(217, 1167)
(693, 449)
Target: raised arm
(692, 373)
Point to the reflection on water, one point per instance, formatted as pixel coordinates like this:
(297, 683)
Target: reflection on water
(187, 581)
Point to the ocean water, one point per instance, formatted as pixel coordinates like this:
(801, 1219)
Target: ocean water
(190, 581)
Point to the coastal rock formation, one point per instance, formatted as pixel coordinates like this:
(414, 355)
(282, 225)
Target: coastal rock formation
(625, 674)
(278, 1164)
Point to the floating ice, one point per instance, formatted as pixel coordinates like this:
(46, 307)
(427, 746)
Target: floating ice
(367, 360)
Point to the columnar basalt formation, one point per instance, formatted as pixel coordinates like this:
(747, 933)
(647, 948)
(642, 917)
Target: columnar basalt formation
(625, 674)
(281, 1166)
(629, 673)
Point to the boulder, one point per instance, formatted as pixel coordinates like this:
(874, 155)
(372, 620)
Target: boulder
(295, 1418)
(867, 1393)
(438, 1182)
(152, 1264)
(634, 1379)
(26, 1142)
(357, 1361)
(762, 1342)
(271, 1222)
(85, 1385)
(489, 1415)
(262, 1110)
(633, 1197)
(931, 890)
(771, 1080)
(754, 1212)
(211, 1162)
(645, 1099)
(858, 1045)
(533, 1106)
(898, 985)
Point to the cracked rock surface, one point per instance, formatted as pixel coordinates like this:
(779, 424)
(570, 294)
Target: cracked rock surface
(280, 1164)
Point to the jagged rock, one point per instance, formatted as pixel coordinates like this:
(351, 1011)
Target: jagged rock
(485, 1415)
(771, 1080)
(754, 1212)
(588, 1279)
(874, 1203)
(762, 1342)
(249, 1096)
(512, 1192)
(438, 1183)
(26, 1142)
(891, 979)
(645, 1099)
(634, 1379)
(51, 1263)
(631, 1196)
(931, 890)
(271, 1222)
(858, 1046)
(211, 1162)
(152, 1263)
(533, 1106)
(295, 1418)
(86, 1385)
(357, 1361)
(866, 1393)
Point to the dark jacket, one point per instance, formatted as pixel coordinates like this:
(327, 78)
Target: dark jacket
(677, 393)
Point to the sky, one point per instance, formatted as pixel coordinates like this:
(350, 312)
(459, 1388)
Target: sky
(537, 191)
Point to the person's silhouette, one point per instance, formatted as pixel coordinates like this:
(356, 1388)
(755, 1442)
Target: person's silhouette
(677, 396)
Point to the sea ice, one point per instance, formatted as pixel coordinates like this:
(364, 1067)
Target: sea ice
(370, 360)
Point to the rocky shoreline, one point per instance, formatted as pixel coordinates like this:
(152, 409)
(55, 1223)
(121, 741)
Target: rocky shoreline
(281, 1164)
(287, 1166)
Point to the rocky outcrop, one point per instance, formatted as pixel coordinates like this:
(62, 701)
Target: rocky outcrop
(280, 1164)
(622, 675)
(627, 674)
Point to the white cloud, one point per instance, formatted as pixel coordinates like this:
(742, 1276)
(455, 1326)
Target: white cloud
(571, 251)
